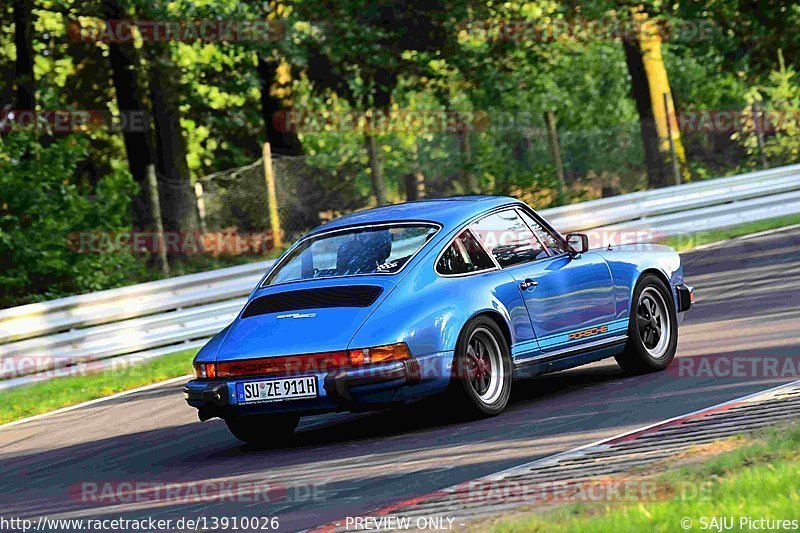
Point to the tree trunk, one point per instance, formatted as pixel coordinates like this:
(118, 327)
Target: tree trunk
(178, 203)
(376, 169)
(419, 176)
(138, 144)
(555, 151)
(23, 42)
(415, 186)
(649, 83)
(282, 140)
(467, 175)
(656, 165)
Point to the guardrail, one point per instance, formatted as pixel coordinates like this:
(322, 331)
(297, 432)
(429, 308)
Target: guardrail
(113, 305)
(677, 199)
(150, 319)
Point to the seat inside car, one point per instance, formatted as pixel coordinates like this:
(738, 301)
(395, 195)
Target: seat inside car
(364, 253)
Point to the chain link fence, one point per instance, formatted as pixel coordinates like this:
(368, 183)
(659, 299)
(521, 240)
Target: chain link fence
(237, 199)
(312, 189)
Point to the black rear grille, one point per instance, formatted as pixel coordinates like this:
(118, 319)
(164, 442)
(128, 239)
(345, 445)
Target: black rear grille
(348, 296)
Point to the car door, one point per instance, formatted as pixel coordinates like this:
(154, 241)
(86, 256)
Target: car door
(569, 297)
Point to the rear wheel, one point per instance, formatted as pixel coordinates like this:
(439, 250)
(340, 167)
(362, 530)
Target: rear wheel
(652, 328)
(481, 379)
(263, 429)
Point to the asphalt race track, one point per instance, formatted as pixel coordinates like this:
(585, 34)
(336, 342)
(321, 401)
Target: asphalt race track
(748, 309)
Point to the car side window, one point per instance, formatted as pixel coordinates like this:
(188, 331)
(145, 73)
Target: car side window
(463, 256)
(508, 238)
(551, 241)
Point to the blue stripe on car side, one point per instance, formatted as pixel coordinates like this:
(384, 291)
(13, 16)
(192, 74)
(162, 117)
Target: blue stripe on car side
(524, 347)
(562, 339)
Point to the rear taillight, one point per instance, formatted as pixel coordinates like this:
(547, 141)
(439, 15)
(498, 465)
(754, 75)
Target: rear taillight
(304, 364)
(380, 354)
(204, 370)
(288, 365)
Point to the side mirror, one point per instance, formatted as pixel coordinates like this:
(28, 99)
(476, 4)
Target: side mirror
(579, 242)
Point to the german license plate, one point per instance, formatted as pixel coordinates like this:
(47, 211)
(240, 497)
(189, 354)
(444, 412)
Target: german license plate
(276, 390)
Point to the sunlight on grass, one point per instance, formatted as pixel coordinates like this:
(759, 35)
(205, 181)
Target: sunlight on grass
(758, 480)
(50, 395)
(687, 242)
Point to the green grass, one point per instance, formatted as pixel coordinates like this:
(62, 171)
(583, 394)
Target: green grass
(686, 242)
(45, 396)
(759, 479)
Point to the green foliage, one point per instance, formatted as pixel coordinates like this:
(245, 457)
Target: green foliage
(42, 210)
(778, 100)
(344, 57)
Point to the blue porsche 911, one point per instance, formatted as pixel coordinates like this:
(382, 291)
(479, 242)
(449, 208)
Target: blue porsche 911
(457, 297)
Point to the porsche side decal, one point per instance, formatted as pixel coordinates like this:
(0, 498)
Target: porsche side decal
(591, 332)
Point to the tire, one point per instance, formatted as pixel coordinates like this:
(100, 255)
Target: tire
(650, 348)
(264, 430)
(480, 383)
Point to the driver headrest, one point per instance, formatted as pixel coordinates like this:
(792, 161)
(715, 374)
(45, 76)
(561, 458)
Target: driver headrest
(364, 253)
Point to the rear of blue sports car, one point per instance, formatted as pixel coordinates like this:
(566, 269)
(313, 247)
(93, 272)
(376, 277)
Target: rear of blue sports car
(291, 350)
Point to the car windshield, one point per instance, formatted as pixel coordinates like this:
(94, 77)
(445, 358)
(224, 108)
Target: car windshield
(366, 250)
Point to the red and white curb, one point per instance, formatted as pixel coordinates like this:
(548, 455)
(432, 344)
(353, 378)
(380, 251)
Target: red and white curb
(597, 460)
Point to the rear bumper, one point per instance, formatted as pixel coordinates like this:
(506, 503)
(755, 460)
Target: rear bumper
(684, 297)
(201, 393)
(357, 389)
(343, 386)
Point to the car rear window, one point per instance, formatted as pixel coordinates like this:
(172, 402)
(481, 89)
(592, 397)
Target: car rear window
(356, 251)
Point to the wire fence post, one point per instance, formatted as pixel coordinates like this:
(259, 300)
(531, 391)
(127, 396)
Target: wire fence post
(272, 198)
(555, 150)
(201, 205)
(158, 225)
(759, 134)
(676, 169)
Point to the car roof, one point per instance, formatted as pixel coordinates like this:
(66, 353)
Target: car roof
(449, 212)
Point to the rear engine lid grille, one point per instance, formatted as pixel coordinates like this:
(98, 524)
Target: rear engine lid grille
(344, 296)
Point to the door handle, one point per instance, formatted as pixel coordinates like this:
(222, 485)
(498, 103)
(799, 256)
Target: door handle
(527, 284)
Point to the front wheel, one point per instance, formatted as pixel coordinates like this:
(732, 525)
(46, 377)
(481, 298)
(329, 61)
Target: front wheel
(481, 378)
(263, 430)
(652, 328)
